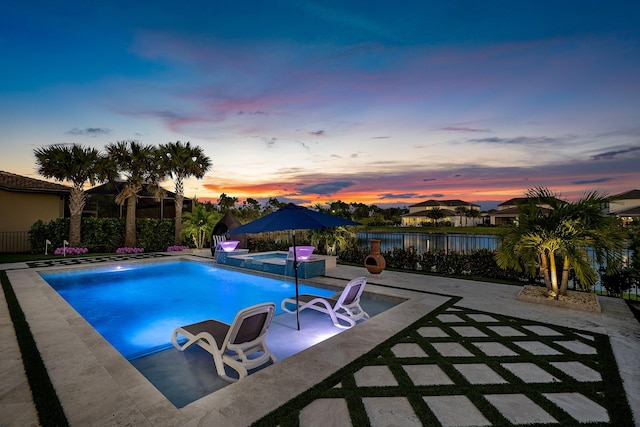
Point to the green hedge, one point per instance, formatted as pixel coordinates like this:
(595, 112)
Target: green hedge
(104, 235)
(478, 263)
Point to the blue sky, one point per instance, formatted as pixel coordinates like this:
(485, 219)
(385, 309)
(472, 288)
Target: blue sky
(313, 101)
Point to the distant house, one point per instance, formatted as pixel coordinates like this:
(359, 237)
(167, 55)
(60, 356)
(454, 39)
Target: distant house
(101, 203)
(507, 212)
(419, 213)
(24, 201)
(625, 206)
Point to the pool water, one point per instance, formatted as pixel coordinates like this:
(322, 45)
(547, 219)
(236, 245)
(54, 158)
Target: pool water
(278, 255)
(136, 307)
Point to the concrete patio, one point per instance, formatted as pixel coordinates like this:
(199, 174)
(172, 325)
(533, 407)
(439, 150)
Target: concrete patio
(98, 387)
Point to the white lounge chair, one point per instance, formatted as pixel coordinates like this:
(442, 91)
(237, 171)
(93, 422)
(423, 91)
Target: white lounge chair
(343, 306)
(232, 345)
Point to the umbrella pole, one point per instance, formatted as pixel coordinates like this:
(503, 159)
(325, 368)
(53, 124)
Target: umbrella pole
(295, 272)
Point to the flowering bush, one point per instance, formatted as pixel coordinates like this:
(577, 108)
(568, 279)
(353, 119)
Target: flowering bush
(177, 248)
(129, 250)
(70, 251)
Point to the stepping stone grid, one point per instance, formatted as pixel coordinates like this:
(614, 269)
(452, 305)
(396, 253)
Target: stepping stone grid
(462, 367)
(93, 260)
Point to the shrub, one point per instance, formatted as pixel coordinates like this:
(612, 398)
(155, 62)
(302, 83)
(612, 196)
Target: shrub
(267, 245)
(70, 251)
(127, 250)
(104, 235)
(479, 263)
(155, 235)
(354, 255)
(618, 283)
(56, 231)
(177, 248)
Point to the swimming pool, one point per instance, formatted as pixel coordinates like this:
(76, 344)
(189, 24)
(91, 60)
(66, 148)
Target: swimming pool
(136, 307)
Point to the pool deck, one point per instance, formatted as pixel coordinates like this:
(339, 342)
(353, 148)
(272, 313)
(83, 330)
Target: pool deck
(97, 386)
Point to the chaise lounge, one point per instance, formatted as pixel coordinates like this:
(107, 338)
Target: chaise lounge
(344, 306)
(232, 345)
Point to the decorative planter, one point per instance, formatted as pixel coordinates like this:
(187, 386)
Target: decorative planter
(375, 262)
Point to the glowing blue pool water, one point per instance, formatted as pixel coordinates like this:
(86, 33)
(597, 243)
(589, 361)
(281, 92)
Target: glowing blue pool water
(136, 307)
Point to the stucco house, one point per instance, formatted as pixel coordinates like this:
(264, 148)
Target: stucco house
(508, 211)
(23, 202)
(419, 213)
(625, 206)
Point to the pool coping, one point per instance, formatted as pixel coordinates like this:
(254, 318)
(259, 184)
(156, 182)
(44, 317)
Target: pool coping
(98, 386)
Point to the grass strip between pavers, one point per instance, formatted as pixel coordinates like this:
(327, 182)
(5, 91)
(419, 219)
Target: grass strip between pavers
(72, 261)
(45, 399)
(287, 414)
(608, 393)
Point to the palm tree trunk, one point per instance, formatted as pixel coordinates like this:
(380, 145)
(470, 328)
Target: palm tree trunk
(544, 267)
(130, 225)
(178, 231)
(178, 207)
(76, 205)
(565, 276)
(553, 273)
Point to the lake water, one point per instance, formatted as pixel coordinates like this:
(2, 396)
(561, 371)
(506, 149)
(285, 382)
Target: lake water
(425, 242)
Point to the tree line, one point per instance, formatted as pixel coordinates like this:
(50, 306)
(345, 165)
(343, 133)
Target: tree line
(251, 209)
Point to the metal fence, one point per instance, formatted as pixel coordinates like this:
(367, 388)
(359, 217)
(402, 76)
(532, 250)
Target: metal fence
(14, 241)
(425, 242)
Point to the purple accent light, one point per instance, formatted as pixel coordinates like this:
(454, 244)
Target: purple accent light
(303, 252)
(228, 245)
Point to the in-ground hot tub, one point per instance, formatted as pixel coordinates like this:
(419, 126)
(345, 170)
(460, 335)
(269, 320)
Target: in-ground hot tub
(276, 262)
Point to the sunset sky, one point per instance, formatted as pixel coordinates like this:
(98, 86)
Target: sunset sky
(386, 103)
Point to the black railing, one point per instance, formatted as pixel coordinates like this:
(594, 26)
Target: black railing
(425, 242)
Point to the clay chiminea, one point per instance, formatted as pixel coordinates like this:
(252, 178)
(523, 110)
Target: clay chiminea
(375, 262)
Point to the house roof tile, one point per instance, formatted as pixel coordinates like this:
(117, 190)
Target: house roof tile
(453, 203)
(627, 195)
(425, 213)
(18, 183)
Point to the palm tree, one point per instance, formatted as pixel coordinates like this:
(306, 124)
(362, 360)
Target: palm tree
(565, 234)
(138, 164)
(78, 165)
(462, 211)
(199, 224)
(436, 214)
(332, 239)
(473, 214)
(227, 202)
(182, 161)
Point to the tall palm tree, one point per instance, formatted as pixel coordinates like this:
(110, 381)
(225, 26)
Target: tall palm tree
(182, 161)
(77, 164)
(137, 163)
(473, 214)
(436, 214)
(463, 211)
(565, 234)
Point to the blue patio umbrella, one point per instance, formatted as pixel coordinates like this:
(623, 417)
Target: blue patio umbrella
(293, 217)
